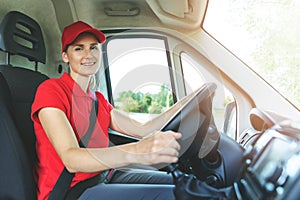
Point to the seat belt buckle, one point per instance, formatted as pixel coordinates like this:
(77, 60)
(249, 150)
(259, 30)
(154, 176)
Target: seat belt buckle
(109, 175)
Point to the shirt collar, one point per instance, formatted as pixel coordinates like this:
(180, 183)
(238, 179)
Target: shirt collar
(77, 91)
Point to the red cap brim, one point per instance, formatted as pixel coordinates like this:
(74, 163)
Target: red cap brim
(72, 31)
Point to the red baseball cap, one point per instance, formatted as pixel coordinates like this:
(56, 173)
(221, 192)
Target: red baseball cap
(72, 31)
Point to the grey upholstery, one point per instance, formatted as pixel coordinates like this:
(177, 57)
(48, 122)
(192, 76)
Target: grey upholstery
(17, 25)
(17, 90)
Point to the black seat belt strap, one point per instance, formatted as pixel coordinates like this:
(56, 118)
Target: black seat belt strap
(84, 140)
(63, 183)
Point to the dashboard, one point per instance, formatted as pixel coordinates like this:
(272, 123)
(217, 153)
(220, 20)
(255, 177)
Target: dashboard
(271, 165)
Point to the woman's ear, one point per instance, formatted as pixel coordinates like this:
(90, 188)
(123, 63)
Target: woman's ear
(64, 57)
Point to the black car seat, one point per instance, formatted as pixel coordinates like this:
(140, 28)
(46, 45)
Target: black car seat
(17, 90)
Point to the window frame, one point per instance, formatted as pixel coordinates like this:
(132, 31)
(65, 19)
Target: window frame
(135, 34)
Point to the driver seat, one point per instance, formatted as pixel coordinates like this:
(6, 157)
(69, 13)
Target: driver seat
(17, 90)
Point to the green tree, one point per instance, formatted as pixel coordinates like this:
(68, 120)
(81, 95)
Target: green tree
(130, 101)
(155, 108)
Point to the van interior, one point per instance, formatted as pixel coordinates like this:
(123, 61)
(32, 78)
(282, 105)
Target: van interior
(240, 136)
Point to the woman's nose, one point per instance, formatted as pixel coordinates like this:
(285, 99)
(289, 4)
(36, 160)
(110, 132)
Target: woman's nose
(87, 53)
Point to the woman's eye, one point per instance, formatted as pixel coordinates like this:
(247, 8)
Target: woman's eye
(94, 47)
(78, 48)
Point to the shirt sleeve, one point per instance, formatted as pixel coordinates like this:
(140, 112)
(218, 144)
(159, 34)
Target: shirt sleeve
(104, 102)
(49, 94)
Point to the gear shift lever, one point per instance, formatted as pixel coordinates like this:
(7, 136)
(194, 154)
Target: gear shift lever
(188, 187)
(176, 173)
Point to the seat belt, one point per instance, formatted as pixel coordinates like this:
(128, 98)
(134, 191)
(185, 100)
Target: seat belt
(63, 183)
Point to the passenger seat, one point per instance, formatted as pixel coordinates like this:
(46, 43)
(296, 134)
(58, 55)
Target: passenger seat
(17, 90)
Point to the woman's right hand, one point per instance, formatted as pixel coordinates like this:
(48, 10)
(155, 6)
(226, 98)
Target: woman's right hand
(159, 147)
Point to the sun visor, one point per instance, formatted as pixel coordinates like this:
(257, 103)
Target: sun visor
(183, 14)
(178, 8)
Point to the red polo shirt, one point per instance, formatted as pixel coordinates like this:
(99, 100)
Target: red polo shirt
(65, 94)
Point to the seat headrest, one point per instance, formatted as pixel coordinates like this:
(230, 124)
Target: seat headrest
(21, 35)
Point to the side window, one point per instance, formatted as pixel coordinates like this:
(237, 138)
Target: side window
(193, 78)
(224, 113)
(139, 75)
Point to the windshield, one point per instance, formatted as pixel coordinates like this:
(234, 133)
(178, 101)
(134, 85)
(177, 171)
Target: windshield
(265, 35)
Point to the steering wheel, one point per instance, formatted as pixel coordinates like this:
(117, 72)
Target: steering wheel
(193, 121)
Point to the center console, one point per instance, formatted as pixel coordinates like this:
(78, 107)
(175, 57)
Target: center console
(271, 166)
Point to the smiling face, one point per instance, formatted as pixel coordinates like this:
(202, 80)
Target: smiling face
(83, 56)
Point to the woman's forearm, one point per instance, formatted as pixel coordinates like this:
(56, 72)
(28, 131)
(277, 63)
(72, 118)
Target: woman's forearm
(121, 121)
(161, 147)
(99, 159)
